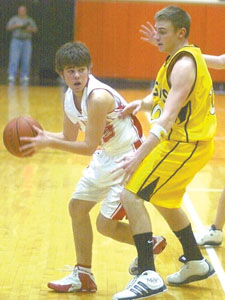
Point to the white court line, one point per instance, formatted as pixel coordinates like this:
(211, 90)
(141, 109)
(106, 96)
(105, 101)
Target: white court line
(211, 252)
(198, 224)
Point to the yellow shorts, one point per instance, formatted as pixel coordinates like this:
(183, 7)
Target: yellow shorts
(164, 174)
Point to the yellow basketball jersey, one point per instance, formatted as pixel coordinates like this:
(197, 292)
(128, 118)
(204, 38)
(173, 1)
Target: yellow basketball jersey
(196, 120)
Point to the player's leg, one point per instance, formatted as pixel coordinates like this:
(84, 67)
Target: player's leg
(184, 162)
(112, 212)
(196, 267)
(110, 224)
(220, 216)
(147, 282)
(120, 231)
(180, 225)
(116, 230)
(81, 279)
(141, 229)
(156, 180)
(214, 235)
(82, 230)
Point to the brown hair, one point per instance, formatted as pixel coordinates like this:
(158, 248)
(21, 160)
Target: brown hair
(72, 54)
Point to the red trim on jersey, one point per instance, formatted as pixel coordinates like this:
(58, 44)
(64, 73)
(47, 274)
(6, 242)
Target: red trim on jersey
(137, 144)
(138, 127)
(86, 85)
(137, 124)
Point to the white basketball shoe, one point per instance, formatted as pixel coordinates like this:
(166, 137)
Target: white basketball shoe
(145, 285)
(191, 271)
(211, 237)
(78, 281)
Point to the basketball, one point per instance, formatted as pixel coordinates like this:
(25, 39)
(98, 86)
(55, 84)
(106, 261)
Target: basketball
(16, 128)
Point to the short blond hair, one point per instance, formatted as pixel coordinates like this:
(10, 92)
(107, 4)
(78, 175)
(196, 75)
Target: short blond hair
(177, 16)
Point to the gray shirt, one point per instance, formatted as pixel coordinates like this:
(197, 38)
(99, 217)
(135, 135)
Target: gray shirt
(20, 33)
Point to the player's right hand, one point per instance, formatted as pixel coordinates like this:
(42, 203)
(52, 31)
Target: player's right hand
(131, 109)
(148, 33)
(34, 144)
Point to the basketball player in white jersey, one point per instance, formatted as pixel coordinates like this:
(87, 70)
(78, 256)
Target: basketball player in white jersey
(92, 107)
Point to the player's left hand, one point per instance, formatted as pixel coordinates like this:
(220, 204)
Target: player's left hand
(128, 163)
(131, 108)
(40, 141)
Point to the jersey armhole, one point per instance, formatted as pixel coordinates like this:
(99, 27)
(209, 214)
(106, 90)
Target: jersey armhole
(172, 63)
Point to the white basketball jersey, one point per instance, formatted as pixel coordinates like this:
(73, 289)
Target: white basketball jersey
(119, 136)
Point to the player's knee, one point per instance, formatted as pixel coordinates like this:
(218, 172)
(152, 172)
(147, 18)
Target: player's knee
(74, 208)
(126, 198)
(79, 209)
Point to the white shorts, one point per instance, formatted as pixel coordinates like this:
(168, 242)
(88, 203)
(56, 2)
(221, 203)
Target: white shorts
(99, 184)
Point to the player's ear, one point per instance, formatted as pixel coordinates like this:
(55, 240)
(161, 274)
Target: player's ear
(181, 32)
(61, 75)
(89, 68)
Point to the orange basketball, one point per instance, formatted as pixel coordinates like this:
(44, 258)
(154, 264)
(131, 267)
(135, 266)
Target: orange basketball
(16, 128)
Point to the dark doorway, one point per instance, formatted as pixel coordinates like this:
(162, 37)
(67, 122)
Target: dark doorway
(55, 21)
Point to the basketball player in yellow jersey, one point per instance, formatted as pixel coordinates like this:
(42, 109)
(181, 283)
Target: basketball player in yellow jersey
(180, 143)
(213, 235)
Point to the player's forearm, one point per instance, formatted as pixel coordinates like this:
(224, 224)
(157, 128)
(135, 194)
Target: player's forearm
(148, 145)
(215, 62)
(56, 135)
(146, 104)
(82, 148)
(61, 136)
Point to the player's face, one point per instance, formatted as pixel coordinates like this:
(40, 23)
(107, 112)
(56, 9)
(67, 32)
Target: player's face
(76, 78)
(166, 37)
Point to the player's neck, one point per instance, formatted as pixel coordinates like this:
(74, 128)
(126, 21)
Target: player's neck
(178, 47)
(77, 101)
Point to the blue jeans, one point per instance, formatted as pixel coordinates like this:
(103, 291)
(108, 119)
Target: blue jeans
(20, 52)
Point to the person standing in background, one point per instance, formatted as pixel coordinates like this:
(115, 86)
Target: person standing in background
(22, 27)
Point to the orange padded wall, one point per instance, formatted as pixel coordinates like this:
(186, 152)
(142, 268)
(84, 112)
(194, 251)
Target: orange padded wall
(111, 31)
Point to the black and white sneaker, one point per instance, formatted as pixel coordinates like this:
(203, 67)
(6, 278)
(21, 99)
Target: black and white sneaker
(191, 271)
(145, 285)
(210, 237)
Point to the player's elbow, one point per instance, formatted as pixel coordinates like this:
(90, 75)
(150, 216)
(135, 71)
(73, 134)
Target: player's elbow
(90, 151)
(70, 138)
(90, 147)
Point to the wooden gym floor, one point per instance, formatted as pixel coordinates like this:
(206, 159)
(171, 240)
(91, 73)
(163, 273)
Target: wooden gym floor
(36, 236)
